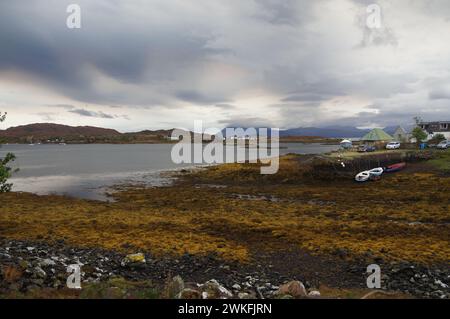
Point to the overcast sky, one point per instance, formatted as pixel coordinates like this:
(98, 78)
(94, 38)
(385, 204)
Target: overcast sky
(138, 64)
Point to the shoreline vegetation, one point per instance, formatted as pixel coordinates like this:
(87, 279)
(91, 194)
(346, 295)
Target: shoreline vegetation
(310, 222)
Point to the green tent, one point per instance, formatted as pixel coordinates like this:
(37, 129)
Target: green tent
(377, 135)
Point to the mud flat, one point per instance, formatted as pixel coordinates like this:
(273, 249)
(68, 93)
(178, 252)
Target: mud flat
(310, 222)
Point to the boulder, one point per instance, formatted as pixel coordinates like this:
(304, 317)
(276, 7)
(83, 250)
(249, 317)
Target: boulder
(133, 260)
(46, 262)
(213, 290)
(188, 293)
(175, 287)
(236, 287)
(244, 295)
(294, 288)
(38, 272)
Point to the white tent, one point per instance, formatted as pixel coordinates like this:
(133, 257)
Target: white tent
(346, 144)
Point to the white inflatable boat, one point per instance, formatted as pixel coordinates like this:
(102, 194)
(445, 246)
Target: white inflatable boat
(376, 171)
(363, 176)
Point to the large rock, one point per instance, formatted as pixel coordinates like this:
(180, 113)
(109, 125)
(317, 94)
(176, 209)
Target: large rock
(294, 288)
(133, 260)
(46, 262)
(188, 293)
(38, 272)
(213, 290)
(175, 287)
(246, 295)
(236, 287)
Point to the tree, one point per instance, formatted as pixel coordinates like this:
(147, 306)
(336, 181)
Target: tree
(419, 134)
(437, 138)
(5, 169)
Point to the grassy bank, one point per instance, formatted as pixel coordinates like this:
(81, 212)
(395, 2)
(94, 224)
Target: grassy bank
(441, 161)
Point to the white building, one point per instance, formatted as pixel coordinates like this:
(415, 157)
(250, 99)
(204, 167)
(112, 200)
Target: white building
(434, 128)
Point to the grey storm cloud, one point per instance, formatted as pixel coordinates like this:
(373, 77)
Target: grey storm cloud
(100, 114)
(62, 106)
(295, 56)
(84, 112)
(199, 98)
(440, 94)
(71, 60)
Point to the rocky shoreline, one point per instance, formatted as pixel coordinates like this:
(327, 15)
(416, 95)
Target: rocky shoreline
(28, 266)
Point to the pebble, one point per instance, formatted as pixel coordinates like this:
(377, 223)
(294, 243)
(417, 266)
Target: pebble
(44, 265)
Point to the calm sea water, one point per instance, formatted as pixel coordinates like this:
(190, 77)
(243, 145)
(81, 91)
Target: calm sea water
(86, 171)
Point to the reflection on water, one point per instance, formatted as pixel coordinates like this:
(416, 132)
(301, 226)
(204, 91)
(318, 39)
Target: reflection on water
(92, 186)
(85, 171)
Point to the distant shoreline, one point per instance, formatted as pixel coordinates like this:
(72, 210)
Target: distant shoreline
(289, 141)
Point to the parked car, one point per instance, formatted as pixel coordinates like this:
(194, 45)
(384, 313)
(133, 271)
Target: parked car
(393, 145)
(366, 148)
(443, 145)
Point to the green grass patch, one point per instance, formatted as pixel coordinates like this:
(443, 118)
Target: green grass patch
(119, 288)
(441, 160)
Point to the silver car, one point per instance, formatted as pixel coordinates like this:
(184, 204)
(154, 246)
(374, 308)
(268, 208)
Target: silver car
(443, 145)
(393, 145)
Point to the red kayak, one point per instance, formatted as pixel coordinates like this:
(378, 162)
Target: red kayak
(395, 167)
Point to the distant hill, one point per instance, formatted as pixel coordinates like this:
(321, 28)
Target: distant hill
(43, 130)
(57, 133)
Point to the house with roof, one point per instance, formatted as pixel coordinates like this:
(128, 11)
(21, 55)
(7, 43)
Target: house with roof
(434, 128)
(400, 135)
(377, 136)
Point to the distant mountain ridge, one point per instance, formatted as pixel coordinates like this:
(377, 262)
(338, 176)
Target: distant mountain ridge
(324, 132)
(332, 131)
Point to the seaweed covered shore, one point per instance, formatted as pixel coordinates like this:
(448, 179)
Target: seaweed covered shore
(310, 222)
